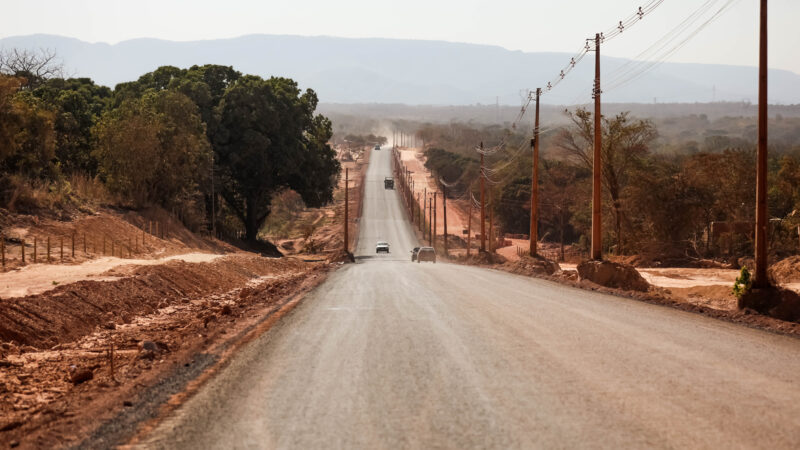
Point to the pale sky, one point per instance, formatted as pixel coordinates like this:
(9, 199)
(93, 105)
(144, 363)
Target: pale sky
(527, 25)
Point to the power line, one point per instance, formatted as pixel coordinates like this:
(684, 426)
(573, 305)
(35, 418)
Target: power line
(665, 47)
(605, 36)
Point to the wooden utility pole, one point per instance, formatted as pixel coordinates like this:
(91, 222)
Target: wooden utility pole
(430, 223)
(597, 186)
(434, 219)
(483, 206)
(444, 211)
(419, 214)
(346, 210)
(469, 223)
(213, 202)
(492, 242)
(760, 278)
(424, 210)
(534, 231)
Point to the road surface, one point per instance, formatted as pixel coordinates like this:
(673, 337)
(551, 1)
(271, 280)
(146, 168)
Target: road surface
(393, 354)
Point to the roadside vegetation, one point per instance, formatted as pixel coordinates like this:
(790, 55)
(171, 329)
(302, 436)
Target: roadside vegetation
(679, 196)
(207, 143)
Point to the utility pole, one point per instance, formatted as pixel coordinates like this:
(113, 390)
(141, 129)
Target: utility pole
(444, 210)
(346, 201)
(597, 186)
(430, 223)
(534, 231)
(469, 222)
(416, 208)
(434, 219)
(213, 201)
(424, 210)
(492, 242)
(760, 279)
(483, 206)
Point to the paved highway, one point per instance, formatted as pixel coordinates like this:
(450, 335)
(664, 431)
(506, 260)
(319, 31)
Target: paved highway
(393, 354)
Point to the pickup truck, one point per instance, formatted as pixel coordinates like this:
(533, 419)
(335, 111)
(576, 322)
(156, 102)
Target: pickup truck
(388, 183)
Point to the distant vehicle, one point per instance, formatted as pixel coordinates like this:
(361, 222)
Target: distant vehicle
(377, 147)
(414, 254)
(382, 247)
(388, 183)
(426, 254)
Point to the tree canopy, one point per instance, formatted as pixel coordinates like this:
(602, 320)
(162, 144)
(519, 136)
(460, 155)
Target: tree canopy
(267, 138)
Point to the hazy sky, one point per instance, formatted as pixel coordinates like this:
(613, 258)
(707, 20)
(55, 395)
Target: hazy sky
(528, 25)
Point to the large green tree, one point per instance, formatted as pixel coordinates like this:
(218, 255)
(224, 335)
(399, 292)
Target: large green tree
(267, 138)
(153, 150)
(77, 104)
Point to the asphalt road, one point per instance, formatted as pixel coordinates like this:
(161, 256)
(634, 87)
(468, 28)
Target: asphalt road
(393, 354)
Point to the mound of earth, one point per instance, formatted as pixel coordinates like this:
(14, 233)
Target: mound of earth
(613, 275)
(785, 271)
(71, 311)
(537, 265)
(658, 260)
(485, 258)
(776, 302)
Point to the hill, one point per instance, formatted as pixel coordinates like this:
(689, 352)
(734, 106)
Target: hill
(410, 71)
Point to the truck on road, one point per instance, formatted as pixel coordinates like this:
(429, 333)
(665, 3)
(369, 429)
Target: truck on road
(388, 183)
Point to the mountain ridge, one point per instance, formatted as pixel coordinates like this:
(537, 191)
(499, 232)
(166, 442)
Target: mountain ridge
(426, 72)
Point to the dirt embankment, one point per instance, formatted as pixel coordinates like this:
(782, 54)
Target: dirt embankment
(56, 380)
(80, 237)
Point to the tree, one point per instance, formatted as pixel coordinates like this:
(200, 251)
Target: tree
(267, 138)
(27, 138)
(625, 143)
(77, 104)
(153, 150)
(34, 67)
(562, 187)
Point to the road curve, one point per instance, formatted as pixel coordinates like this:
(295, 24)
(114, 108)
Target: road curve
(393, 354)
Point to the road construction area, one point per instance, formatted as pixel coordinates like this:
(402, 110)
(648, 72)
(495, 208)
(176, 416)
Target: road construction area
(393, 354)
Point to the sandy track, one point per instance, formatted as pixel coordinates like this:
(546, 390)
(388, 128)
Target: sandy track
(39, 278)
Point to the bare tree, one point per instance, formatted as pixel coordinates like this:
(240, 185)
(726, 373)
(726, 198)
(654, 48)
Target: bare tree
(35, 66)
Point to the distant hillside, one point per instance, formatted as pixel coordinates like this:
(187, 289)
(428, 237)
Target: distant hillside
(409, 71)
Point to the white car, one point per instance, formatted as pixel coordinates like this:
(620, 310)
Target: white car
(382, 247)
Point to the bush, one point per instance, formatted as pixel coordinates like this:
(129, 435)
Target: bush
(743, 283)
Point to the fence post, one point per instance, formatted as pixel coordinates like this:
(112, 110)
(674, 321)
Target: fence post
(48, 249)
(3, 249)
(84, 243)
(35, 244)
(61, 244)
(73, 245)
(22, 248)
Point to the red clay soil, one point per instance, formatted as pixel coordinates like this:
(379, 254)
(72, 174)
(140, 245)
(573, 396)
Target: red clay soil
(56, 386)
(129, 231)
(71, 311)
(786, 270)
